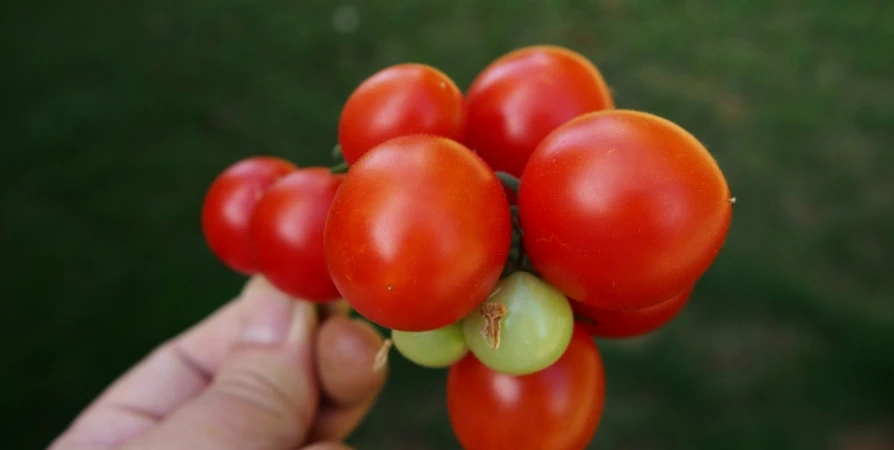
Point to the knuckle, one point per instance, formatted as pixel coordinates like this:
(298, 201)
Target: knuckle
(259, 391)
(254, 388)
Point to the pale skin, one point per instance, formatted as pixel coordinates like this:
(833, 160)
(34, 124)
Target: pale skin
(265, 372)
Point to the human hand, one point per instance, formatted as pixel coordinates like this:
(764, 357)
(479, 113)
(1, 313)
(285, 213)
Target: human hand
(265, 372)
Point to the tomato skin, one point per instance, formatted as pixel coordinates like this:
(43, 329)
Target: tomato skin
(287, 233)
(629, 323)
(397, 101)
(521, 97)
(418, 233)
(229, 204)
(622, 209)
(558, 408)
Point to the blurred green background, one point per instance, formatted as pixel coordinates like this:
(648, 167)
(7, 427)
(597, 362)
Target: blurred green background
(119, 114)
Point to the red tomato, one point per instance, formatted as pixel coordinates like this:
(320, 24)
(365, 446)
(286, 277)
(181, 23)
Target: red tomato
(622, 208)
(558, 408)
(398, 101)
(627, 323)
(524, 95)
(418, 233)
(228, 207)
(287, 233)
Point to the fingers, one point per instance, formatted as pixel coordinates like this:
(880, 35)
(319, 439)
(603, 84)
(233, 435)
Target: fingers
(346, 351)
(164, 380)
(327, 446)
(264, 395)
(332, 309)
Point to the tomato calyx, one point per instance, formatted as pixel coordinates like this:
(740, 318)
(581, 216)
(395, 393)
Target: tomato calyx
(339, 168)
(518, 258)
(492, 312)
(381, 359)
(585, 320)
(339, 165)
(509, 181)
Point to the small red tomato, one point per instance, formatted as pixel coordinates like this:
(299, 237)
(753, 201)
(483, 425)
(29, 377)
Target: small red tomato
(397, 101)
(524, 95)
(628, 323)
(558, 408)
(229, 204)
(621, 209)
(287, 233)
(418, 233)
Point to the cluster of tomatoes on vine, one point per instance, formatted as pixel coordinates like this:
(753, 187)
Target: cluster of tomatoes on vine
(495, 232)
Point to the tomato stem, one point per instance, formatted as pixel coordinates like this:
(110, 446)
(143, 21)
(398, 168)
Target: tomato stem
(381, 359)
(509, 181)
(341, 167)
(520, 257)
(337, 155)
(585, 320)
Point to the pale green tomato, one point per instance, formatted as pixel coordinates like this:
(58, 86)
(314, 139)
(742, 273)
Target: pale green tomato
(436, 348)
(522, 328)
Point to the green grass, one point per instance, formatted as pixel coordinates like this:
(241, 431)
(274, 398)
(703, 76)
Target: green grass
(118, 115)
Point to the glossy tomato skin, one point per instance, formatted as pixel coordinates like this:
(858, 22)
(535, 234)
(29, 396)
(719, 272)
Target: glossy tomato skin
(287, 233)
(397, 101)
(629, 323)
(558, 408)
(418, 233)
(229, 204)
(622, 209)
(521, 97)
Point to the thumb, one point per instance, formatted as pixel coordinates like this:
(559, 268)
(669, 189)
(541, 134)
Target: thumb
(265, 395)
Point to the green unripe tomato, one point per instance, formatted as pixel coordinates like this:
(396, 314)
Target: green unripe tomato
(522, 328)
(436, 348)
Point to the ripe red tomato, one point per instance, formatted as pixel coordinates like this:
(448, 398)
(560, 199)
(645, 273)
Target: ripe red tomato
(287, 233)
(524, 95)
(622, 209)
(397, 101)
(558, 408)
(418, 233)
(228, 207)
(627, 323)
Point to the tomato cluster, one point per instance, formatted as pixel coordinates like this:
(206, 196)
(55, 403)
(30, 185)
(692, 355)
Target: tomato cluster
(495, 232)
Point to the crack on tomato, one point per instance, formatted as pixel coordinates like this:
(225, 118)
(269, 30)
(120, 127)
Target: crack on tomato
(492, 313)
(552, 238)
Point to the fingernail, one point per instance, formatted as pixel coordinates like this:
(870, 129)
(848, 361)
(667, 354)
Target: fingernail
(304, 317)
(270, 315)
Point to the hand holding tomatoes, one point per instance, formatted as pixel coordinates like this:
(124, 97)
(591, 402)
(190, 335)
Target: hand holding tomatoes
(615, 216)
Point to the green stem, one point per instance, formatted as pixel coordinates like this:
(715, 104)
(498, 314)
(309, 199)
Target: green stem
(341, 167)
(337, 155)
(509, 181)
(520, 257)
